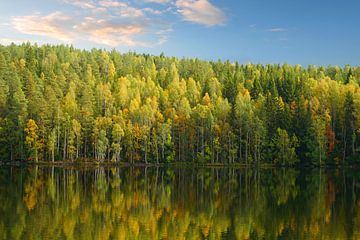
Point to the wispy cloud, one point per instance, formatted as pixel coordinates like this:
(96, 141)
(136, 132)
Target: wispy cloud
(109, 3)
(117, 22)
(85, 4)
(157, 1)
(108, 22)
(130, 12)
(108, 33)
(163, 35)
(277, 30)
(70, 29)
(153, 11)
(53, 25)
(201, 12)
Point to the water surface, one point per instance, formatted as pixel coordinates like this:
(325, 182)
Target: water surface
(178, 203)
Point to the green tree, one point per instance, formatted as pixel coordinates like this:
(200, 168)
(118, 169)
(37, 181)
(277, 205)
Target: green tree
(284, 148)
(101, 145)
(349, 126)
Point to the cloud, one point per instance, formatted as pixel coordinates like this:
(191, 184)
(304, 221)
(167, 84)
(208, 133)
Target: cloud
(85, 4)
(110, 3)
(157, 1)
(131, 12)
(108, 33)
(52, 25)
(201, 12)
(163, 35)
(70, 29)
(277, 30)
(106, 22)
(152, 11)
(116, 22)
(124, 10)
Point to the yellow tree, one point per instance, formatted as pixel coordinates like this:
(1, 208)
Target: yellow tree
(117, 135)
(51, 142)
(76, 128)
(357, 112)
(32, 138)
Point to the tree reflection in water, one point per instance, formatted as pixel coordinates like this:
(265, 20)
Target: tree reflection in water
(178, 203)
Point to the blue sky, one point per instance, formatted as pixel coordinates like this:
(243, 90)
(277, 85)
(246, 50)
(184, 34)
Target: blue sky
(259, 31)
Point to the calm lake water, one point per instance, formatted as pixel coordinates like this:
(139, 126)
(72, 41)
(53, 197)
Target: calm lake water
(178, 203)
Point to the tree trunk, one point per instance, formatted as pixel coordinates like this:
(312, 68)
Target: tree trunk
(146, 146)
(64, 150)
(240, 147)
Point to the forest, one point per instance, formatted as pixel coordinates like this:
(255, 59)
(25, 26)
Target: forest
(59, 103)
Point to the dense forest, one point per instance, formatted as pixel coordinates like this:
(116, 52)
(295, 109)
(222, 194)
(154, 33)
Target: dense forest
(60, 103)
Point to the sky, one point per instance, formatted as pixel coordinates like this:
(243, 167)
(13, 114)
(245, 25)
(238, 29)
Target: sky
(321, 32)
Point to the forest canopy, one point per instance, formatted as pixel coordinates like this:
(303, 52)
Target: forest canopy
(61, 103)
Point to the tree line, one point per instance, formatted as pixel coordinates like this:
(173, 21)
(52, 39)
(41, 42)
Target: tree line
(61, 103)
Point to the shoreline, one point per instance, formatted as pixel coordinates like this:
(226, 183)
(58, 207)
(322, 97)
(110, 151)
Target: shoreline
(63, 164)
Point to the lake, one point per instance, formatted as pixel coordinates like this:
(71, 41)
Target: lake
(178, 203)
